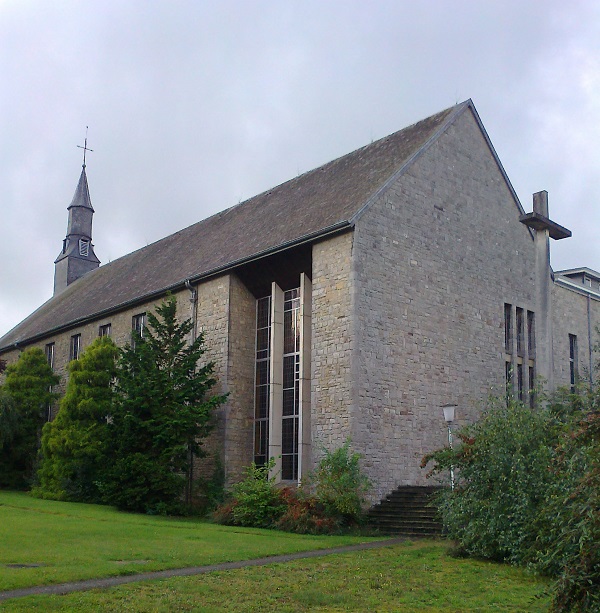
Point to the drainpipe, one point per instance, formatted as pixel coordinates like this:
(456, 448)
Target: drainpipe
(590, 343)
(194, 302)
(193, 305)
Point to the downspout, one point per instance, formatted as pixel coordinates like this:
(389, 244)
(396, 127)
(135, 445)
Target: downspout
(590, 343)
(193, 305)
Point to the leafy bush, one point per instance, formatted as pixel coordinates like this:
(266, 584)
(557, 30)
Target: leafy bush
(502, 464)
(74, 444)
(329, 499)
(304, 514)
(256, 499)
(569, 524)
(340, 486)
(29, 384)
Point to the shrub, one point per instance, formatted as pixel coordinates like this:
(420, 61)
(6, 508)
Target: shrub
(256, 500)
(340, 486)
(29, 383)
(502, 468)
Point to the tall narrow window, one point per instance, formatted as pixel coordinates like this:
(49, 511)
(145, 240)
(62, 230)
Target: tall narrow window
(262, 380)
(75, 347)
(531, 334)
(573, 361)
(508, 328)
(520, 381)
(531, 386)
(104, 330)
(291, 385)
(50, 355)
(520, 325)
(137, 325)
(508, 379)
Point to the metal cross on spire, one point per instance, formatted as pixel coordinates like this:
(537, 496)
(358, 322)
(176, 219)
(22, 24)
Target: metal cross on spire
(85, 147)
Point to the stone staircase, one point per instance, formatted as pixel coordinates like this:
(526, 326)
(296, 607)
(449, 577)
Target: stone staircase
(407, 511)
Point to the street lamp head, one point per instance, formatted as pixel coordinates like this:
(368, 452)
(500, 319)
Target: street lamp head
(449, 412)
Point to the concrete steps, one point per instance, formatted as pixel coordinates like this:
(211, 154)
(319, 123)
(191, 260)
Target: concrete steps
(407, 511)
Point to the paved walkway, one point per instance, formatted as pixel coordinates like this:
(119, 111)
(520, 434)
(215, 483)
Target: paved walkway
(91, 584)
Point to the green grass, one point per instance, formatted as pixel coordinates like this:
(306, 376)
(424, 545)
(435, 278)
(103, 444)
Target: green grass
(75, 541)
(72, 541)
(417, 576)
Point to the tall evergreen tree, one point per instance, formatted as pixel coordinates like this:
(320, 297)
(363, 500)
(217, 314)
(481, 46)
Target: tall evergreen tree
(74, 444)
(162, 414)
(29, 383)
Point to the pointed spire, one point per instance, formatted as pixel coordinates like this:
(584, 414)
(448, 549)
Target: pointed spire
(82, 193)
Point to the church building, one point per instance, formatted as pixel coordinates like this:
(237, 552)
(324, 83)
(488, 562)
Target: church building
(351, 302)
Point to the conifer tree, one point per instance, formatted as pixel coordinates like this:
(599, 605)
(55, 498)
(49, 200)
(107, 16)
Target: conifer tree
(162, 414)
(74, 444)
(29, 384)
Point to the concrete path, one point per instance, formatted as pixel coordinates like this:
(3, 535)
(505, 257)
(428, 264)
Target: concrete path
(91, 584)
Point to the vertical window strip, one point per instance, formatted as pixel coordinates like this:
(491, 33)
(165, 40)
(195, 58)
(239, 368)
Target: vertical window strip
(104, 330)
(520, 326)
(508, 328)
(531, 334)
(262, 380)
(291, 385)
(573, 361)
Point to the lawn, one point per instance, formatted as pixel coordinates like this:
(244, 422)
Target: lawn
(82, 541)
(53, 542)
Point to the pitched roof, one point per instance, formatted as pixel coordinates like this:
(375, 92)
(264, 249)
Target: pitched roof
(305, 208)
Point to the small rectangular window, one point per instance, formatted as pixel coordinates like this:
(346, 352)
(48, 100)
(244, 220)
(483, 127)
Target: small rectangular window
(508, 328)
(573, 361)
(531, 334)
(104, 330)
(138, 322)
(520, 331)
(531, 386)
(520, 382)
(75, 347)
(50, 355)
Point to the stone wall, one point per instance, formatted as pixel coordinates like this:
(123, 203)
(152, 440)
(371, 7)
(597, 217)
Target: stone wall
(239, 411)
(570, 316)
(332, 345)
(436, 256)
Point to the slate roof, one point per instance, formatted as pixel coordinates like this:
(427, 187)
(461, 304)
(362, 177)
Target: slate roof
(310, 206)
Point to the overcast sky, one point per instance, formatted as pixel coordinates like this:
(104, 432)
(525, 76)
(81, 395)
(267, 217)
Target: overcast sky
(194, 106)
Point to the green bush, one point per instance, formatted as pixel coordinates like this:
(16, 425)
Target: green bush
(29, 384)
(73, 454)
(256, 499)
(502, 466)
(339, 485)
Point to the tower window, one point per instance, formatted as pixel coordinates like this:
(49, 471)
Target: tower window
(84, 247)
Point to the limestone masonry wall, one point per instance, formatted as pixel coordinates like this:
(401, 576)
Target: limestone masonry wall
(239, 411)
(570, 316)
(435, 259)
(332, 345)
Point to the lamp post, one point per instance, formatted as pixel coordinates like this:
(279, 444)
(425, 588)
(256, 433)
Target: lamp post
(449, 410)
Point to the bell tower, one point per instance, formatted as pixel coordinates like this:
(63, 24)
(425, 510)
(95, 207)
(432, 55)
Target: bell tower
(77, 256)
